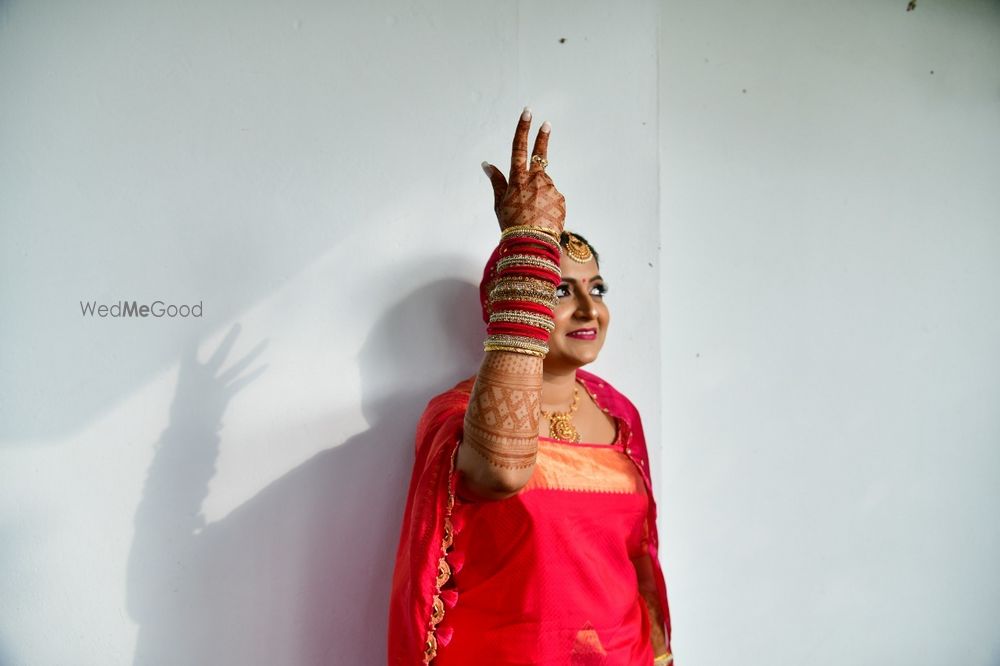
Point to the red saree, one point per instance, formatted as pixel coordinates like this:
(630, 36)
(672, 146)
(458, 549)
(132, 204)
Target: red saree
(564, 572)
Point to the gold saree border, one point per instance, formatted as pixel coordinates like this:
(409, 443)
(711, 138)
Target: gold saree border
(443, 569)
(582, 468)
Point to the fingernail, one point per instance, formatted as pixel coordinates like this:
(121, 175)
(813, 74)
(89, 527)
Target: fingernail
(546, 127)
(486, 167)
(526, 114)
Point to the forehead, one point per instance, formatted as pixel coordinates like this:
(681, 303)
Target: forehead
(576, 270)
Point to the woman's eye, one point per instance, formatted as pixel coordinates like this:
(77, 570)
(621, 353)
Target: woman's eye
(598, 290)
(562, 290)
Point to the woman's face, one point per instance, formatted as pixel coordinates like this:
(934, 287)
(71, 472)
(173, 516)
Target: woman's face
(581, 317)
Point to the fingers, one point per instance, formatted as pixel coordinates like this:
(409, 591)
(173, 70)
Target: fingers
(519, 152)
(498, 182)
(238, 367)
(541, 147)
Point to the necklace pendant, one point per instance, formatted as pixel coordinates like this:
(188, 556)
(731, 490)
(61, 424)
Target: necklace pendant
(562, 429)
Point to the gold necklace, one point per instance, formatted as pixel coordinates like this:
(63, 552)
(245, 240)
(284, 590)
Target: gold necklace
(561, 423)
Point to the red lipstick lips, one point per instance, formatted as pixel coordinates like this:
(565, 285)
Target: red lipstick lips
(583, 334)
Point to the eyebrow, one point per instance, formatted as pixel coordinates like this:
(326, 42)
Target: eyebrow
(574, 280)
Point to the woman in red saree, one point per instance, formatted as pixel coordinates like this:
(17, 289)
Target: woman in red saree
(529, 535)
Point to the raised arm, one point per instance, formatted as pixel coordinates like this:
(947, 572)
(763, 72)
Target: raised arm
(500, 440)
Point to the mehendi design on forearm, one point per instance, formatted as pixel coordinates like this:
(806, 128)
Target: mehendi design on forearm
(501, 422)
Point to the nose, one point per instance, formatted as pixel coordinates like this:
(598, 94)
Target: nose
(585, 307)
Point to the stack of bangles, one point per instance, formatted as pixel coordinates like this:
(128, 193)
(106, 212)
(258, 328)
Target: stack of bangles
(523, 294)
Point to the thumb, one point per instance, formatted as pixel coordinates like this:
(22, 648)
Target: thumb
(498, 182)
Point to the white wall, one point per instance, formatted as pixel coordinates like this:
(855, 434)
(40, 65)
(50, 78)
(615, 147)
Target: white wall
(310, 173)
(831, 354)
(826, 247)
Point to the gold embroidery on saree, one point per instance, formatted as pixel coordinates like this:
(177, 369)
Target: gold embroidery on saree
(443, 570)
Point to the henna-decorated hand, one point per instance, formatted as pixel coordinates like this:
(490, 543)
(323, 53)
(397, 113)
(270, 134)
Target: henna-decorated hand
(529, 197)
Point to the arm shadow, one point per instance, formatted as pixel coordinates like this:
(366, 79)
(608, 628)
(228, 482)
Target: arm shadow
(299, 574)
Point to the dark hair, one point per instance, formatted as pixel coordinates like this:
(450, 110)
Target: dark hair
(564, 242)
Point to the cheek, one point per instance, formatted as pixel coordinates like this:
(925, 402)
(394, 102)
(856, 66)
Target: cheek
(603, 313)
(562, 314)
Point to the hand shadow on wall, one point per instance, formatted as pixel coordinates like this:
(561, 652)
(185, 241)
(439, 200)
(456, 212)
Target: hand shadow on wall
(299, 574)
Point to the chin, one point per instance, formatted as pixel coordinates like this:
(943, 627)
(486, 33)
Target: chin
(574, 360)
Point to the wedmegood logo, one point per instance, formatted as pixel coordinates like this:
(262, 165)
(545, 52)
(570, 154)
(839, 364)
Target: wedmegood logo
(133, 309)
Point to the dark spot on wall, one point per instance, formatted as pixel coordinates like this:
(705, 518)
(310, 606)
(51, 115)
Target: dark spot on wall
(932, 71)
(744, 90)
(650, 264)
(562, 40)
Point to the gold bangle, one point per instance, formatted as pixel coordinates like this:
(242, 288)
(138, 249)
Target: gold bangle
(524, 317)
(663, 659)
(505, 296)
(526, 260)
(537, 283)
(539, 287)
(528, 228)
(521, 342)
(542, 290)
(533, 237)
(516, 350)
(513, 340)
(513, 290)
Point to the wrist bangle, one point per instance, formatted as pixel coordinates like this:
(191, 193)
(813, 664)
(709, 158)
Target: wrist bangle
(548, 302)
(525, 331)
(534, 244)
(529, 271)
(524, 282)
(517, 305)
(529, 246)
(516, 350)
(528, 228)
(523, 317)
(520, 260)
(525, 345)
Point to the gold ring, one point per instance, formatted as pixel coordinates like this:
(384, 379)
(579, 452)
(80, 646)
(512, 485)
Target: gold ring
(538, 159)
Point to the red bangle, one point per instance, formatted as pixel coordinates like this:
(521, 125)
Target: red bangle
(547, 239)
(507, 305)
(552, 244)
(532, 248)
(531, 271)
(523, 330)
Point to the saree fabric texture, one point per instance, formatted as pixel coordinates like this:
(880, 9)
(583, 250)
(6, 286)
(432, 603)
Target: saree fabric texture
(565, 571)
